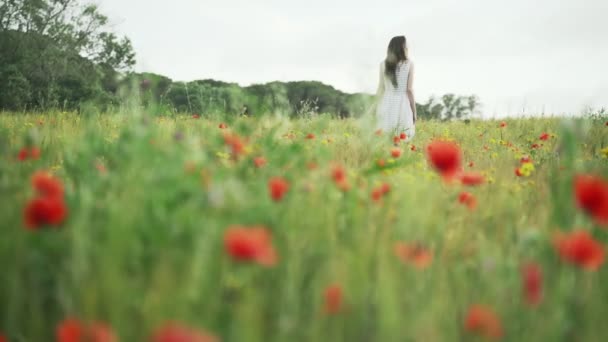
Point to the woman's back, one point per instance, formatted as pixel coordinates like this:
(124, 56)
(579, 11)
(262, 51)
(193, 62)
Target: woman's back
(401, 74)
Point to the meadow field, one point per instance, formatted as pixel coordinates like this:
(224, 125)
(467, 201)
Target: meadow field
(129, 227)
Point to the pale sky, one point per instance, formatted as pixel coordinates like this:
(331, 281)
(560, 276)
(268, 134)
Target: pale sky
(515, 55)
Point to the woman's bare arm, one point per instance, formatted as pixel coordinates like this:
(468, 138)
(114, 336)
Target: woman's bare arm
(410, 91)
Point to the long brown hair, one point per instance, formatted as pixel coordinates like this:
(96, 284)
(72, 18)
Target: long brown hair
(394, 55)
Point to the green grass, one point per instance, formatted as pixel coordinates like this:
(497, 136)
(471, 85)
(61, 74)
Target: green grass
(143, 242)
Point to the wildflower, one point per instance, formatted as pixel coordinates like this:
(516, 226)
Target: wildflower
(72, 330)
(472, 178)
(28, 153)
(396, 152)
(310, 136)
(503, 124)
(237, 145)
(196, 116)
(259, 161)
(223, 126)
(483, 321)
(413, 148)
(333, 299)
(471, 164)
(579, 248)
(403, 136)
(396, 140)
(250, 244)
(525, 159)
(544, 136)
(175, 332)
(415, 254)
(338, 173)
(535, 146)
(445, 157)
(591, 194)
(277, 187)
(380, 191)
(467, 199)
(381, 162)
(532, 283)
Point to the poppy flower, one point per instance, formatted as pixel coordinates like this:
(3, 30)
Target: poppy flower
(259, 161)
(472, 178)
(396, 152)
(525, 159)
(414, 254)
(396, 140)
(72, 330)
(196, 116)
(381, 163)
(471, 164)
(532, 283)
(28, 153)
(483, 321)
(579, 248)
(445, 157)
(250, 245)
(535, 146)
(503, 124)
(174, 332)
(591, 194)
(277, 187)
(544, 136)
(310, 136)
(47, 185)
(518, 172)
(467, 199)
(333, 299)
(44, 211)
(403, 136)
(380, 191)
(223, 126)
(338, 173)
(413, 148)
(236, 144)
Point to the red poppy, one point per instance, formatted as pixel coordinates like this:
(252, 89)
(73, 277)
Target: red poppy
(381, 163)
(503, 124)
(592, 196)
(403, 136)
(277, 187)
(525, 159)
(236, 144)
(518, 172)
(396, 152)
(414, 254)
(196, 116)
(544, 136)
(259, 161)
(174, 332)
(338, 173)
(43, 211)
(310, 136)
(467, 199)
(223, 126)
(47, 185)
(471, 164)
(333, 299)
(380, 191)
(250, 245)
(483, 321)
(532, 283)
(535, 146)
(72, 330)
(445, 156)
(472, 178)
(396, 140)
(23, 154)
(579, 247)
(413, 148)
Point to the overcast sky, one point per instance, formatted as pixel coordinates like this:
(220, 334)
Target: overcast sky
(516, 54)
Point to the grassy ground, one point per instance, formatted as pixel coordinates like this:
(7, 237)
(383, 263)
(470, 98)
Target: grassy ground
(150, 199)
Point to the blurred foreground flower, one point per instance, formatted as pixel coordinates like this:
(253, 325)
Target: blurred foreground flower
(579, 248)
(472, 178)
(414, 254)
(278, 187)
(467, 199)
(48, 207)
(483, 321)
(445, 157)
(532, 283)
(175, 332)
(591, 194)
(28, 153)
(250, 244)
(73, 330)
(333, 299)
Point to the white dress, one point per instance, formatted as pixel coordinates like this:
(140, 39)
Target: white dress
(394, 114)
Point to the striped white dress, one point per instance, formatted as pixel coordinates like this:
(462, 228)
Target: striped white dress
(394, 113)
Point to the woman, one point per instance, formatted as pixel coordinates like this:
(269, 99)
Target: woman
(396, 112)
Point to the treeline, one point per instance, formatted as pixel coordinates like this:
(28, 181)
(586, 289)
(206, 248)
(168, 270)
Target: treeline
(59, 54)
